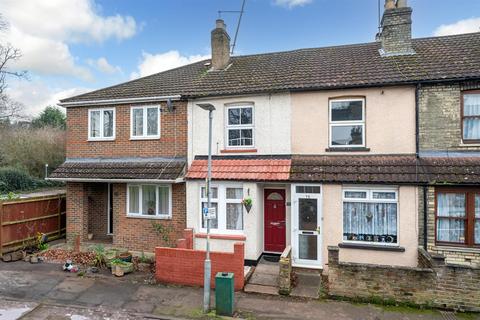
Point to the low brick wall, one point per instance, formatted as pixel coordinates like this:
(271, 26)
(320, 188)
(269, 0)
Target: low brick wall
(285, 272)
(184, 265)
(434, 283)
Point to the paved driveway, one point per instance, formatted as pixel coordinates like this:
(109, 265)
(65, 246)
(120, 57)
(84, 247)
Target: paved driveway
(43, 291)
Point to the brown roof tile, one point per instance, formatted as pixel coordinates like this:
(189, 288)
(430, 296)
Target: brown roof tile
(164, 169)
(436, 58)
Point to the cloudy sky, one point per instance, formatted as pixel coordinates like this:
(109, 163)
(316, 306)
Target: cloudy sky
(73, 46)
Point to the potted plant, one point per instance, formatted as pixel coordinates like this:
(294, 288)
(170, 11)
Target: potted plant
(144, 263)
(126, 267)
(125, 256)
(247, 203)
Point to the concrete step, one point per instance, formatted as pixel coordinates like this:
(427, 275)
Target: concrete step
(256, 288)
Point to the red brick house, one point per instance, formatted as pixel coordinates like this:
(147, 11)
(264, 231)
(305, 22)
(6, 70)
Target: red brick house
(124, 171)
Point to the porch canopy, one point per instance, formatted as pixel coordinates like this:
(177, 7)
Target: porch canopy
(397, 169)
(169, 170)
(245, 168)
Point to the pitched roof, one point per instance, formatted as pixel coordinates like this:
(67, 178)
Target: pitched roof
(436, 58)
(245, 169)
(386, 169)
(120, 169)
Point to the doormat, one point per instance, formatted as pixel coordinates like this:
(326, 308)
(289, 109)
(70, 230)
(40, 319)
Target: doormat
(271, 258)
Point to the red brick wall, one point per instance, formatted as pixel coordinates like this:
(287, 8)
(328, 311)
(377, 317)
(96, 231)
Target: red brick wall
(97, 194)
(78, 145)
(138, 233)
(77, 210)
(185, 266)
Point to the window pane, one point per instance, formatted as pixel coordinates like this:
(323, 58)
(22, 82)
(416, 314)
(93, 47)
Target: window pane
(214, 191)
(95, 124)
(471, 105)
(149, 200)
(133, 199)
(347, 135)
(356, 194)
(247, 139)
(234, 216)
(164, 200)
(471, 128)
(247, 117)
(233, 116)
(108, 123)
(383, 195)
(307, 214)
(451, 205)
(234, 193)
(370, 222)
(152, 121)
(347, 110)
(307, 246)
(213, 222)
(233, 137)
(137, 115)
(451, 230)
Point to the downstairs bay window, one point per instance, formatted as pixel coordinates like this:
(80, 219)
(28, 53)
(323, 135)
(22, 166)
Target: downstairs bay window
(149, 201)
(370, 215)
(227, 200)
(458, 217)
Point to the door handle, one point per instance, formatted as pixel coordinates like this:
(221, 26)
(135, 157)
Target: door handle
(318, 229)
(274, 223)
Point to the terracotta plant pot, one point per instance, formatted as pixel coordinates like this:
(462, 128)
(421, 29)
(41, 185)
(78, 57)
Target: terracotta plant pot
(125, 256)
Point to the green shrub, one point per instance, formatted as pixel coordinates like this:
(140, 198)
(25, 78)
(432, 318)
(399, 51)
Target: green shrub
(12, 179)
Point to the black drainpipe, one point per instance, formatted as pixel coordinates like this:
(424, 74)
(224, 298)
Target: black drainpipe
(425, 217)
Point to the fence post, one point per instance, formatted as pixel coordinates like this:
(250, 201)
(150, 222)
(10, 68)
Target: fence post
(59, 202)
(1, 228)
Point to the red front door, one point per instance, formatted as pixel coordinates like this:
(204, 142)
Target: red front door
(274, 226)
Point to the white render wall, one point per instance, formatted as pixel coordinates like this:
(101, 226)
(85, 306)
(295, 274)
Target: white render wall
(272, 129)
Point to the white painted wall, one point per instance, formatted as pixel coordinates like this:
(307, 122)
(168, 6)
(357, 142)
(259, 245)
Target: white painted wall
(271, 124)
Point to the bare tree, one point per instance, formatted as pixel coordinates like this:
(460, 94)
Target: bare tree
(8, 54)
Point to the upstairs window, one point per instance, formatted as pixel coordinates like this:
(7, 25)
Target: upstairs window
(471, 117)
(347, 123)
(145, 122)
(101, 124)
(240, 126)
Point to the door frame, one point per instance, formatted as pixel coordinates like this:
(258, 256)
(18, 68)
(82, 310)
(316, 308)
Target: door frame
(109, 209)
(302, 263)
(263, 216)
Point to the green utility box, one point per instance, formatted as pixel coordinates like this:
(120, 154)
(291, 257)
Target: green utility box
(224, 293)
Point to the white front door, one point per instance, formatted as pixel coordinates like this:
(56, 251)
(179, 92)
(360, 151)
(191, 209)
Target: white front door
(307, 225)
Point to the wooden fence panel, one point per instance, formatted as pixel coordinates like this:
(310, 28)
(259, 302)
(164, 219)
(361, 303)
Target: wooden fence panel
(21, 220)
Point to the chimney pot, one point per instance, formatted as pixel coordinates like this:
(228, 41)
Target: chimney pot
(389, 4)
(402, 4)
(220, 46)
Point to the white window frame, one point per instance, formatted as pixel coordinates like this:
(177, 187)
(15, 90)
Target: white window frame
(221, 201)
(369, 199)
(102, 125)
(332, 123)
(145, 135)
(229, 127)
(157, 214)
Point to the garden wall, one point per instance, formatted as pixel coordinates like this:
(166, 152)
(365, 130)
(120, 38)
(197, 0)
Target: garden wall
(184, 265)
(434, 283)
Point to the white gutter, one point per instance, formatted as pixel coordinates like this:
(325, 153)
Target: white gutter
(178, 180)
(118, 101)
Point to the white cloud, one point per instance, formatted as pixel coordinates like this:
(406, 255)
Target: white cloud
(462, 26)
(104, 66)
(153, 63)
(291, 3)
(43, 30)
(35, 95)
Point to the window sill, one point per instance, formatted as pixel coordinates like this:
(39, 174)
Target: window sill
(237, 237)
(362, 246)
(238, 151)
(101, 140)
(149, 217)
(456, 248)
(145, 138)
(351, 149)
(464, 144)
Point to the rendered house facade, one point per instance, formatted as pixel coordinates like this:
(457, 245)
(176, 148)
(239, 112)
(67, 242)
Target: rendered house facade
(335, 146)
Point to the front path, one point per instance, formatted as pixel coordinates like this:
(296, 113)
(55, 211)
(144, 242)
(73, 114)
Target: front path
(43, 291)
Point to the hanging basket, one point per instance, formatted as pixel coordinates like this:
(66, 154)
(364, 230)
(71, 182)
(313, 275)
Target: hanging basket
(248, 207)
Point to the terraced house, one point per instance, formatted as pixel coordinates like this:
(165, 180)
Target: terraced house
(346, 153)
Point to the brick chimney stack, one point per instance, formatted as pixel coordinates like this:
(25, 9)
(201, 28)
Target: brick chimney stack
(220, 46)
(396, 29)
